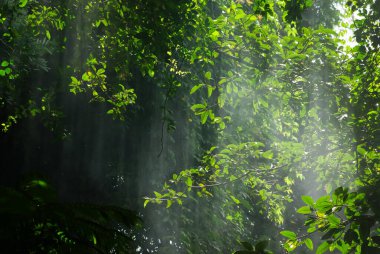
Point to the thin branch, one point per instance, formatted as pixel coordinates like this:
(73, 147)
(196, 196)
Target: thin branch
(233, 180)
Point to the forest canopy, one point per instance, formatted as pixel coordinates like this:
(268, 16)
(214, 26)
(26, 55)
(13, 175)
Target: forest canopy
(190, 126)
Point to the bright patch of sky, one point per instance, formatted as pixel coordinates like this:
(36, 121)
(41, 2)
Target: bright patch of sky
(344, 29)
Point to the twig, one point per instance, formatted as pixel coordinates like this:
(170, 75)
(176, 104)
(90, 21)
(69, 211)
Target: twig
(238, 178)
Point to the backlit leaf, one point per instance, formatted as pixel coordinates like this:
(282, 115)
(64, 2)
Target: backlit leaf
(195, 88)
(309, 243)
(289, 234)
(308, 200)
(304, 210)
(23, 3)
(322, 248)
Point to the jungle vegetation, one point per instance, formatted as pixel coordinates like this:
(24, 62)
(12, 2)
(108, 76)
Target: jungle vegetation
(190, 126)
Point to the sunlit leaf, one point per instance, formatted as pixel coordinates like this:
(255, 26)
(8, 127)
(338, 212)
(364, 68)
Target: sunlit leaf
(4, 63)
(23, 3)
(204, 117)
(209, 90)
(157, 194)
(237, 201)
(197, 106)
(308, 200)
(222, 81)
(189, 182)
(309, 243)
(85, 77)
(268, 154)
(94, 239)
(304, 210)
(289, 234)
(322, 248)
(195, 88)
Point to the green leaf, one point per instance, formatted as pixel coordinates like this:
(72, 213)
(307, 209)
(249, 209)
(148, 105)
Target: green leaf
(334, 221)
(290, 245)
(322, 248)
(263, 194)
(323, 203)
(168, 203)
(289, 234)
(308, 200)
(146, 202)
(204, 117)
(100, 71)
(2, 73)
(4, 63)
(222, 81)
(48, 35)
(189, 182)
(74, 80)
(195, 88)
(361, 150)
(309, 3)
(214, 35)
(309, 243)
(158, 195)
(40, 183)
(151, 73)
(237, 201)
(268, 154)
(85, 77)
(240, 14)
(197, 106)
(208, 75)
(209, 91)
(94, 239)
(23, 3)
(304, 210)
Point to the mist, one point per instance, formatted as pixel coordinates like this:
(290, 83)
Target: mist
(189, 127)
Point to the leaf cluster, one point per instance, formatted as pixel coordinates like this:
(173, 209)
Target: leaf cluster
(33, 220)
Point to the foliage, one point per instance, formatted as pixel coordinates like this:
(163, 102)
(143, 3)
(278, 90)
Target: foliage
(284, 87)
(345, 221)
(262, 101)
(34, 221)
(349, 220)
